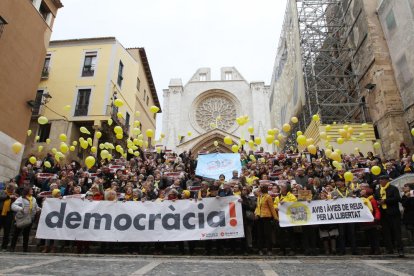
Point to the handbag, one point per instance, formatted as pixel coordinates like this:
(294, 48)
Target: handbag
(22, 220)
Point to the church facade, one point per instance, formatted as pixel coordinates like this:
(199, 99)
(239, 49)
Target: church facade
(203, 111)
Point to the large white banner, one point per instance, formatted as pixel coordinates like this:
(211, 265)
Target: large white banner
(343, 210)
(212, 165)
(77, 219)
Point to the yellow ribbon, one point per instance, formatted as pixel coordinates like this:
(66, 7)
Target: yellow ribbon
(6, 205)
(383, 194)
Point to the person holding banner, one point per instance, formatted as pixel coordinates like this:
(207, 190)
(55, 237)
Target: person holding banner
(265, 213)
(388, 198)
(346, 230)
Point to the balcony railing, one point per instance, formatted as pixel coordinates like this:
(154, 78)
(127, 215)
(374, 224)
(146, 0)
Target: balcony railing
(88, 71)
(45, 72)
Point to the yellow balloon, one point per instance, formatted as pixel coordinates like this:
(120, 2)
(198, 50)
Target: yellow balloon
(336, 164)
(348, 176)
(149, 133)
(131, 151)
(84, 144)
(269, 139)
(328, 153)
(376, 170)
(342, 132)
(119, 115)
(140, 143)
(338, 151)
(93, 149)
(84, 130)
(335, 156)
(242, 141)
(412, 157)
(227, 140)
(54, 150)
(72, 148)
(277, 143)
(189, 133)
(258, 140)
(215, 143)
(315, 117)
(75, 143)
(312, 149)
(110, 121)
(298, 133)
(90, 161)
(328, 137)
(64, 148)
(377, 145)
(98, 134)
(162, 135)
(48, 141)
(252, 157)
(119, 136)
(357, 149)
(39, 148)
(323, 135)
(66, 107)
(118, 102)
(294, 120)
(234, 148)
(89, 141)
(104, 154)
(29, 132)
(118, 130)
(47, 164)
(32, 160)
(301, 140)
(328, 127)
(276, 131)
(42, 120)
(350, 130)
(250, 130)
(412, 131)
(251, 144)
(286, 128)
(17, 147)
(340, 140)
(154, 109)
(62, 137)
(280, 137)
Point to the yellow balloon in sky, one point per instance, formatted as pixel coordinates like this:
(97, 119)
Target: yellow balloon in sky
(84, 130)
(286, 128)
(323, 135)
(242, 141)
(258, 140)
(269, 139)
(154, 109)
(277, 143)
(137, 113)
(54, 150)
(315, 117)
(280, 136)
(84, 144)
(250, 130)
(251, 144)
(42, 120)
(234, 148)
(215, 143)
(301, 140)
(110, 121)
(118, 102)
(32, 160)
(62, 137)
(48, 141)
(39, 148)
(328, 153)
(72, 148)
(90, 141)
(137, 123)
(119, 136)
(189, 133)
(29, 132)
(67, 107)
(118, 130)
(335, 156)
(294, 120)
(47, 164)
(299, 133)
(90, 161)
(104, 154)
(37, 138)
(377, 145)
(340, 140)
(17, 147)
(312, 149)
(93, 149)
(149, 133)
(119, 115)
(64, 148)
(328, 127)
(98, 134)
(227, 140)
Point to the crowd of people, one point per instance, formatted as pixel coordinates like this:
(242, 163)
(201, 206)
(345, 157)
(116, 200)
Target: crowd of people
(265, 182)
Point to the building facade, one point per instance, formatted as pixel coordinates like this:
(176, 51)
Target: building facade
(82, 79)
(25, 30)
(204, 110)
(397, 21)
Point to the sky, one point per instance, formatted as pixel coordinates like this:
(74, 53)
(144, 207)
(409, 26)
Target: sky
(180, 36)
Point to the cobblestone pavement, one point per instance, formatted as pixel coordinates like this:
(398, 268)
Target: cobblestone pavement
(68, 264)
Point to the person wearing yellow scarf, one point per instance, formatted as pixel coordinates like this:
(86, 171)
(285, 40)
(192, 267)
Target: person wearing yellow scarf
(7, 197)
(389, 197)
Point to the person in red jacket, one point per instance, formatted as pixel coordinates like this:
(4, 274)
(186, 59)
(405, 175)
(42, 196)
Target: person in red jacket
(371, 228)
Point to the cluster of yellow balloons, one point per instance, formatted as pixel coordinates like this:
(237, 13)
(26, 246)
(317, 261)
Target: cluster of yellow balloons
(242, 120)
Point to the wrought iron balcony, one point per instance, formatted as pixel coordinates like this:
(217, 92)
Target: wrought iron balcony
(81, 110)
(88, 71)
(45, 72)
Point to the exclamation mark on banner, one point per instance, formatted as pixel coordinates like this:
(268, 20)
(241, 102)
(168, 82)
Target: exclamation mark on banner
(233, 220)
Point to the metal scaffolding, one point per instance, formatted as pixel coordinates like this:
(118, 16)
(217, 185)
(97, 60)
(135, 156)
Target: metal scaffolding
(331, 86)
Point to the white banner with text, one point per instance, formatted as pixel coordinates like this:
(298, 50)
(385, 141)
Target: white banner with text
(343, 210)
(77, 219)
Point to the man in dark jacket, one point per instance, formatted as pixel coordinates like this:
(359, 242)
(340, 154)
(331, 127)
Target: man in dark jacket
(388, 198)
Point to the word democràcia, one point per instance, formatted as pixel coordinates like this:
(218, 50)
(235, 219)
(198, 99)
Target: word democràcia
(141, 222)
